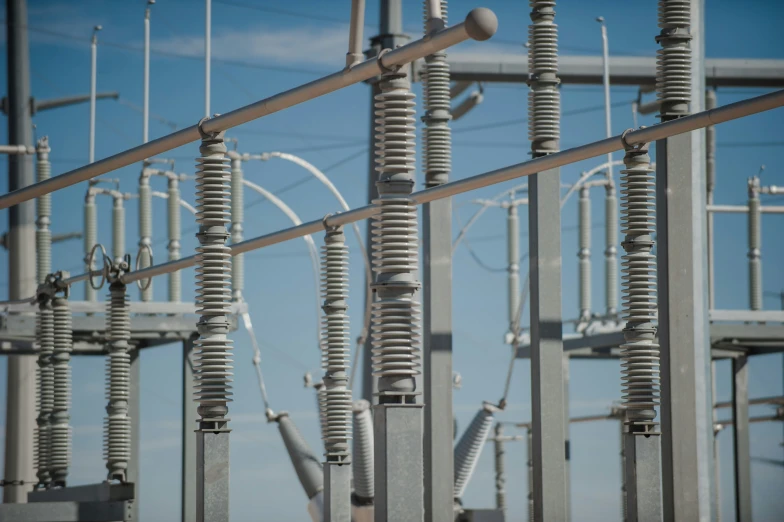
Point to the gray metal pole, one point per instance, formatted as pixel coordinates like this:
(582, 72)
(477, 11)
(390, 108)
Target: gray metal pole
(513, 266)
(740, 439)
(611, 250)
(93, 81)
(175, 233)
(584, 253)
(207, 55)
(500, 468)
(710, 186)
(19, 474)
(145, 231)
(237, 218)
(437, 279)
(529, 437)
(544, 222)
(90, 239)
(606, 83)
(146, 75)
(133, 473)
(188, 475)
(683, 302)
(567, 437)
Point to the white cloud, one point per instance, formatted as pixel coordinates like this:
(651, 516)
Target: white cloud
(301, 45)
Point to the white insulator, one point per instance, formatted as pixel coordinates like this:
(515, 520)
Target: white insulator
(469, 447)
(639, 353)
(90, 239)
(173, 209)
(43, 233)
(362, 458)
(584, 252)
(611, 251)
(117, 434)
(213, 365)
(544, 98)
(673, 60)
(61, 361)
(436, 135)
(118, 230)
(145, 231)
(321, 404)
(755, 246)
(395, 323)
(45, 334)
(237, 218)
(305, 463)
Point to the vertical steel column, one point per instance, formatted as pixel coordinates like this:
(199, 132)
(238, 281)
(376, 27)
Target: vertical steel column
(640, 353)
(175, 232)
(93, 80)
(513, 267)
(337, 432)
(529, 444)
(500, 468)
(61, 363)
(584, 252)
(133, 472)
(45, 334)
(755, 245)
(437, 278)
(624, 514)
(390, 37)
(683, 302)
(212, 367)
(145, 230)
(544, 218)
(90, 239)
(188, 476)
(740, 439)
(19, 474)
(716, 496)
(567, 436)
(237, 217)
(397, 419)
(710, 188)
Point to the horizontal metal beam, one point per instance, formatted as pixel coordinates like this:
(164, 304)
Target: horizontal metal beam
(743, 209)
(480, 24)
(624, 70)
(101, 492)
(42, 105)
(66, 512)
(753, 402)
(752, 316)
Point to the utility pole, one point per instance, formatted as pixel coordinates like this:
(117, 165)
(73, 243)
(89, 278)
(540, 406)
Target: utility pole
(20, 396)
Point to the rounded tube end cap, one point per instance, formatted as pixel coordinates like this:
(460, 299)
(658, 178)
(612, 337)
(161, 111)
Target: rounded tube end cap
(481, 23)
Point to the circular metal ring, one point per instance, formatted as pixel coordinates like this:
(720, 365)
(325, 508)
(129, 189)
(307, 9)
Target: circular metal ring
(90, 263)
(143, 247)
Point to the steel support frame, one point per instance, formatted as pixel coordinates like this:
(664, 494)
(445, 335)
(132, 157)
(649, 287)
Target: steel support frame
(188, 475)
(548, 425)
(134, 411)
(398, 471)
(212, 476)
(741, 440)
(337, 492)
(642, 486)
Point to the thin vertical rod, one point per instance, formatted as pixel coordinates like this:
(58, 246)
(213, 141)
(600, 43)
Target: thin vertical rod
(93, 81)
(710, 186)
(357, 26)
(606, 83)
(188, 469)
(146, 100)
(207, 55)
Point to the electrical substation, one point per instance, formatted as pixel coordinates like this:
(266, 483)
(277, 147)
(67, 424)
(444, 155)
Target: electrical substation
(391, 448)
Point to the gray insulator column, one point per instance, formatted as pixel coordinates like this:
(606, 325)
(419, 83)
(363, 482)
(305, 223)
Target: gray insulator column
(398, 422)
(513, 265)
(43, 234)
(640, 352)
(362, 458)
(305, 462)
(90, 239)
(337, 394)
(673, 59)
(469, 447)
(213, 363)
(117, 430)
(237, 218)
(611, 250)
(118, 229)
(755, 245)
(584, 252)
(436, 134)
(175, 232)
(500, 468)
(61, 417)
(45, 334)
(145, 230)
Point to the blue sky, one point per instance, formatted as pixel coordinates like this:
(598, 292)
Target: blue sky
(259, 52)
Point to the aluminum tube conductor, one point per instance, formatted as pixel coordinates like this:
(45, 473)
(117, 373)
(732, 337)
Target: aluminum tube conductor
(480, 25)
(357, 26)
